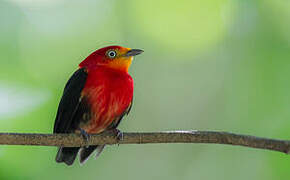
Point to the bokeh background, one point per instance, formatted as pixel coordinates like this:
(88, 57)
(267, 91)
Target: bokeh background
(208, 65)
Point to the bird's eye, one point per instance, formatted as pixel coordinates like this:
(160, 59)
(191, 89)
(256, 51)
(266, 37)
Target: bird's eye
(111, 54)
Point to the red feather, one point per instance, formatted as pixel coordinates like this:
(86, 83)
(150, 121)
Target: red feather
(109, 93)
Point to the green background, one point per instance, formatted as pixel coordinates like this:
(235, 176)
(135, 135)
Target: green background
(207, 65)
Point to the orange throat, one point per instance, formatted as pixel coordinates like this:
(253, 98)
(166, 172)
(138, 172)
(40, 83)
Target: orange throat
(122, 64)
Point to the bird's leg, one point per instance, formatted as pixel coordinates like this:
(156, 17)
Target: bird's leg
(119, 135)
(86, 136)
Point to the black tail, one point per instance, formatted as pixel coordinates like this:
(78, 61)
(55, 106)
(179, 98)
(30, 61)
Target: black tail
(67, 155)
(86, 152)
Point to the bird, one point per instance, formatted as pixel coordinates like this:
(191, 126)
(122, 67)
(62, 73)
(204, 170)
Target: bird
(95, 99)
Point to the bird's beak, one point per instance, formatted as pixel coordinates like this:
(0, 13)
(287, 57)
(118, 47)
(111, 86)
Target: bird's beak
(133, 52)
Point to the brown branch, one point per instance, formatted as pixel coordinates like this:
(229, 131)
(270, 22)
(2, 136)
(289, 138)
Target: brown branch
(215, 137)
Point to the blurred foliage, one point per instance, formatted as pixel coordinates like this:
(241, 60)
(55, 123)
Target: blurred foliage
(208, 65)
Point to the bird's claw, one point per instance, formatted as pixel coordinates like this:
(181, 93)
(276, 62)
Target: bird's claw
(119, 135)
(85, 136)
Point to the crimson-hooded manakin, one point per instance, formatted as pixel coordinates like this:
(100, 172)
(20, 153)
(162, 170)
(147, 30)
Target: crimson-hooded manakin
(95, 99)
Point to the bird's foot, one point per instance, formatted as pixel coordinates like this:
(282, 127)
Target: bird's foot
(85, 136)
(119, 135)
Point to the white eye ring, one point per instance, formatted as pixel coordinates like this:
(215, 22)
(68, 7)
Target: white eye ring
(111, 54)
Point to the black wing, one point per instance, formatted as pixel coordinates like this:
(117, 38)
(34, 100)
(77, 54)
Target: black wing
(70, 102)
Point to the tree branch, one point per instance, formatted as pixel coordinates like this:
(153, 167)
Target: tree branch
(215, 137)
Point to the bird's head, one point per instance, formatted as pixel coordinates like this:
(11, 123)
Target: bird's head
(115, 57)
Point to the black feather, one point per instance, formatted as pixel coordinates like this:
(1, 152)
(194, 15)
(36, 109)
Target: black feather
(86, 152)
(69, 102)
(67, 155)
(69, 114)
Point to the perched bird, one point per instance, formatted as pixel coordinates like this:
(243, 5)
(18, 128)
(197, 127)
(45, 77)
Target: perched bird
(95, 99)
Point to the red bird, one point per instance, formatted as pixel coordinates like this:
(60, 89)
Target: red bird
(95, 99)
